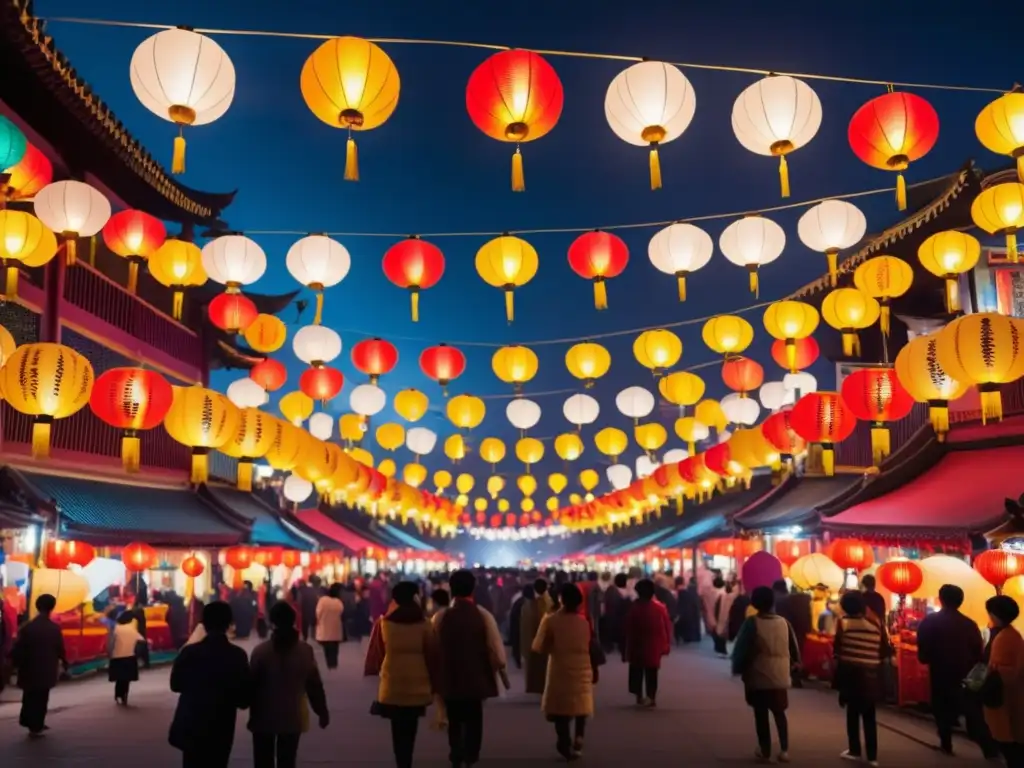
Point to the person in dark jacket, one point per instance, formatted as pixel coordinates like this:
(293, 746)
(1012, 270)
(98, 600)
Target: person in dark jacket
(794, 607)
(648, 637)
(37, 653)
(177, 619)
(244, 609)
(950, 644)
(213, 680)
(873, 601)
(309, 595)
(616, 606)
(515, 624)
(738, 612)
(688, 623)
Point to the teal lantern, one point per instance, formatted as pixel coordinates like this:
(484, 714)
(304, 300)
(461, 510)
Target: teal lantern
(12, 144)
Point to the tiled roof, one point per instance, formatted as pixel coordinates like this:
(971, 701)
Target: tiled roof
(267, 528)
(795, 504)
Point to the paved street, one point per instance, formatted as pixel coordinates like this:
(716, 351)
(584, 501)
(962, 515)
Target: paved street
(701, 721)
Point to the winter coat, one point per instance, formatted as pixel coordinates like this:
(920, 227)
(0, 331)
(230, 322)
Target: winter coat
(534, 664)
(648, 634)
(1006, 657)
(283, 681)
(37, 653)
(569, 686)
(950, 644)
(410, 651)
(471, 651)
(765, 653)
(329, 611)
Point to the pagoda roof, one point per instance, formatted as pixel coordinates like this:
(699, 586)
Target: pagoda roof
(43, 89)
(267, 526)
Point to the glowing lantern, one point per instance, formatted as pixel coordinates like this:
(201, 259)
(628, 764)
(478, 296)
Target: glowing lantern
(851, 554)
(415, 265)
(849, 310)
(522, 414)
(790, 321)
(527, 485)
(13, 144)
(367, 400)
(999, 210)
(569, 447)
(350, 83)
(620, 476)
(47, 382)
(742, 374)
(442, 480)
(710, 412)
(884, 278)
(135, 236)
(480, 504)
(455, 448)
(598, 256)
(251, 441)
(739, 409)
(240, 557)
(495, 485)
(804, 353)
(830, 227)
(635, 403)
(692, 431)
(287, 445)
(184, 77)
(892, 131)
(60, 553)
(178, 265)
(515, 365)
(778, 431)
(296, 407)
(22, 237)
(901, 577)
(138, 557)
(984, 349)
(514, 96)
(823, 418)
(926, 380)
(492, 450)
(589, 479)
(443, 364)
(351, 427)
(789, 551)
(658, 350)
(266, 334)
(321, 425)
(876, 395)
(997, 566)
(387, 468)
(581, 410)
(774, 395)
(674, 456)
(411, 404)
(507, 263)
(7, 347)
(232, 312)
(648, 104)
(321, 383)
(203, 420)
(816, 568)
(588, 362)
(752, 242)
(552, 506)
(131, 399)
(727, 334)
(529, 450)
(948, 255)
(650, 437)
(374, 357)
(775, 116)
(234, 261)
(318, 262)
(192, 567)
(73, 209)
(390, 436)
(22, 180)
(611, 442)
(681, 388)
(362, 456)
(316, 344)
(466, 411)
(557, 482)
(420, 440)
(1000, 128)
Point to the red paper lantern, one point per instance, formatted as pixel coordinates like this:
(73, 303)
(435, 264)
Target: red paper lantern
(510, 519)
(268, 557)
(495, 521)
(481, 518)
(192, 567)
(134, 235)
(718, 459)
(442, 363)
(742, 374)
(598, 256)
(823, 418)
(291, 558)
(778, 431)
(138, 557)
(806, 352)
(720, 547)
(851, 554)
(269, 374)
(875, 394)
(415, 265)
(321, 383)
(131, 399)
(60, 553)
(33, 172)
(524, 519)
(788, 552)
(232, 312)
(891, 131)
(240, 557)
(902, 577)
(514, 96)
(374, 357)
(997, 566)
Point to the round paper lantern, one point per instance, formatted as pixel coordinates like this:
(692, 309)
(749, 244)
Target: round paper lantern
(350, 83)
(674, 456)
(296, 407)
(999, 210)
(411, 404)
(387, 467)
(823, 418)
(984, 349)
(269, 374)
(901, 577)
(752, 242)
(178, 265)
(948, 255)
(131, 399)
(849, 310)
(522, 414)
(71, 590)
(691, 431)
(455, 448)
(727, 334)
(321, 426)
(830, 227)
(620, 476)
(1000, 128)
(791, 550)
(318, 262)
(997, 566)
(22, 180)
(22, 237)
(569, 447)
(13, 144)
(297, 490)
(138, 557)
(884, 278)
(790, 321)
(924, 378)
(680, 249)
(775, 395)
(588, 362)
(598, 256)
(681, 388)
(316, 344)
(367, 400)
(645, 466)
(442, 479)
(464, 484)
(742, 374)
(515, 365)
(851, 554)
(240, 557)
(47, 382)
(420, 440)
(611, 442)
(415, 265)
(804, 353)
(648, 104)
(635, 403)
(710, 412)
(73, 209)
(192, 567)
(514, 96)
(527, 485)
(414, 475)
(466, 411)
(492, 450)
(507, 263)
(203, 420)
(321, 383)
(134, 235)
(232, 312)
(266, 334)
(740, 410)
(650, 437)
(390, 436)
(775, 116)
(658, 350)
(184, 77)
(811, 570)
(251, 440)
(234, 261)
(581, 410)
(529, 450)
(68, 552)
(892, 131)
(876, 395)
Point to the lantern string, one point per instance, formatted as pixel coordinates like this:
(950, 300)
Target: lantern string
(542, 51)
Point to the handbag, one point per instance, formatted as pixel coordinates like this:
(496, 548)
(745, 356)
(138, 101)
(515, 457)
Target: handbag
(987, 684)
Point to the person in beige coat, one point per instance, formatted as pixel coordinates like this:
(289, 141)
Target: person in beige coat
(329, 610)
(565, 636)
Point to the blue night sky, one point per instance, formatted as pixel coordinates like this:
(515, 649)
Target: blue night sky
(428, 169)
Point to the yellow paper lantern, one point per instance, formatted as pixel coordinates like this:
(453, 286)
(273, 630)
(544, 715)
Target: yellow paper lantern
(557, 482)
(455, 448)
(515, 365)
(529, 450)
(727, 334)
(70, 589)
(203, 420)
(552, 504)
(527, 484)
(947, 255)
(507, 263)
(589, 479)
(387, 467)
(658, 350)
(999, 210)
(1000, 128)
(884, 278)
(492, 450)
(411, 404)
(466, 411)
(442, 480)
(266, 334)
(810, 570)
(351, 427)
(296, 407)
(611, 442)
(527, 504)
(252, 440)
(319, 462)
(588, 362)
(47, 382)
(390, 436)
(849, 310)
(350, 83)
(361, 456)
(569, 446)
(575, 499)
(690, 430)
(480, 504)
(503, 505)
(650, 437)
(23, 237)
(682, 388)
(789, 321)
(710, 413)
(464, 483)
(414, 474)
(495, 485)
(287, 442)
(178, 265)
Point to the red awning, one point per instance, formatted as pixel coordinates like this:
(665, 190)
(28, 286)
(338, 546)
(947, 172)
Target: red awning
(963, 493)
(319, 523)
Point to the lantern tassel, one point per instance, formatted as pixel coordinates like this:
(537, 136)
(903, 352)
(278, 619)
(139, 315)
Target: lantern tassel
(131, 458)
(510, 312)
(245, 475)
(681, 284)
(11, 285)
(1011, 247)
(318, 316)
(833, 266)
(791, 354)
(178, 156)
(901, 192)
(655, 164)
(600, 294)
(133, 277)
(754, 287)
(952, 295)
(880, 444)
(828, 459)
(991, 405)
(70, 250)
(884, 320)
(939, 417)
(41, 437)
(784, 175)
(414, 298)
(179, 304)
(518, 179)
(200, 466)
(351, 160)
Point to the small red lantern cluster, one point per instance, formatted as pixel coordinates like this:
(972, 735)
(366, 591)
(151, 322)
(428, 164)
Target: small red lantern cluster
(374, 357)
(598, 256)
(415, 265)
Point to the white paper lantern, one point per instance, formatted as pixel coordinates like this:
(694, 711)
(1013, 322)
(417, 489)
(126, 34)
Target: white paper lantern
(650, 103)
(634, 402)
(774, 395)
(801, 382)
(321, 425)
(522, 413)
(645, 466)
(581, 410)
(742, 411)
(680, 249)
(316, 344)
(620, 476)
(752, 242)
(420, 440)
(367, 400)
(829, 227)
(234, 260)
(318, 262)
(72, 209)
(724, 436)
(775, 116)
(675, 455)
(246, 393)
(297, 490)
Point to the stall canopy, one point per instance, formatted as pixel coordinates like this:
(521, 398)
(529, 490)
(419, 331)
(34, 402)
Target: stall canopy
(649, 539)
(963, 493)
(712, 518)
(342, 537)
(405, 539)
(268, 529)
(794, 503)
